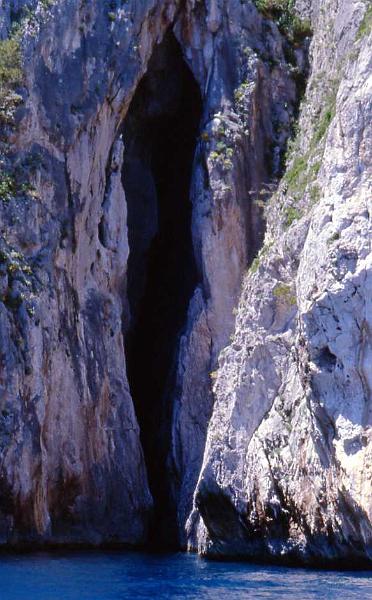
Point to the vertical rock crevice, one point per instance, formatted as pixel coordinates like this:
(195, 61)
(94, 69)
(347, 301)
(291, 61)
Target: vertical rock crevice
(254, 413)
(160, 133)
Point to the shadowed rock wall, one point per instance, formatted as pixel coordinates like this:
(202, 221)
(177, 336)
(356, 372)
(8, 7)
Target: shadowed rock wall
(284, 473)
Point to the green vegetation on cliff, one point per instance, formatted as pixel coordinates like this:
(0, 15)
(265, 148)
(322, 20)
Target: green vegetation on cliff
(10, 77)
(284, 14)
(366, 24)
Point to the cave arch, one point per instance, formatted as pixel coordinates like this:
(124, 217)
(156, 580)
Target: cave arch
(160, 134)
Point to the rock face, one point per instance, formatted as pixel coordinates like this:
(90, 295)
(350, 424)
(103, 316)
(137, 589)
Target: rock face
(287, 468)
(275, 462)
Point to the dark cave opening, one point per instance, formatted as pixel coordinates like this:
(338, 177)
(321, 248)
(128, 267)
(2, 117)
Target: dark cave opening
(160, 132)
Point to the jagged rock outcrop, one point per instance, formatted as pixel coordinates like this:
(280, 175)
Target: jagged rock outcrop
(81, 450)
(287, 467)
(282, 473)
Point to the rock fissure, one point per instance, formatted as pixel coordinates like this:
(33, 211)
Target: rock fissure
(149, 335)
(160, 134)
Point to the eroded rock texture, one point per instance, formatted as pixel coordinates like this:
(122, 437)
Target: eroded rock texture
(147, 146)
(287, 466)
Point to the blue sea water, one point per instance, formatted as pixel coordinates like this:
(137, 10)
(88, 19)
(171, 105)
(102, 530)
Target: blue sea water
(122, 576)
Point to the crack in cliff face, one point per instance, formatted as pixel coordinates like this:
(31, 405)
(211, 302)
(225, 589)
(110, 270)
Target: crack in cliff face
(160, 132)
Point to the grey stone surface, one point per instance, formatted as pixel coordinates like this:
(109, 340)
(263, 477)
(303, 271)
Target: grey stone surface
(275, 461)
(287, 467)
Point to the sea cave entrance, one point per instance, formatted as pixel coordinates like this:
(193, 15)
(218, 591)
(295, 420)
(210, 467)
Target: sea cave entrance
(160, 132)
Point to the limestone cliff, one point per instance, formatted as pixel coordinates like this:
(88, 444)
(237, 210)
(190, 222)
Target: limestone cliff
(287, 468)
(143, 159)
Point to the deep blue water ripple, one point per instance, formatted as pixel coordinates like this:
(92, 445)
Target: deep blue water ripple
(124, 576)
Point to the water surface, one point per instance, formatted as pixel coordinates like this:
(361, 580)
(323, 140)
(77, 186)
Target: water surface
(122, 576)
